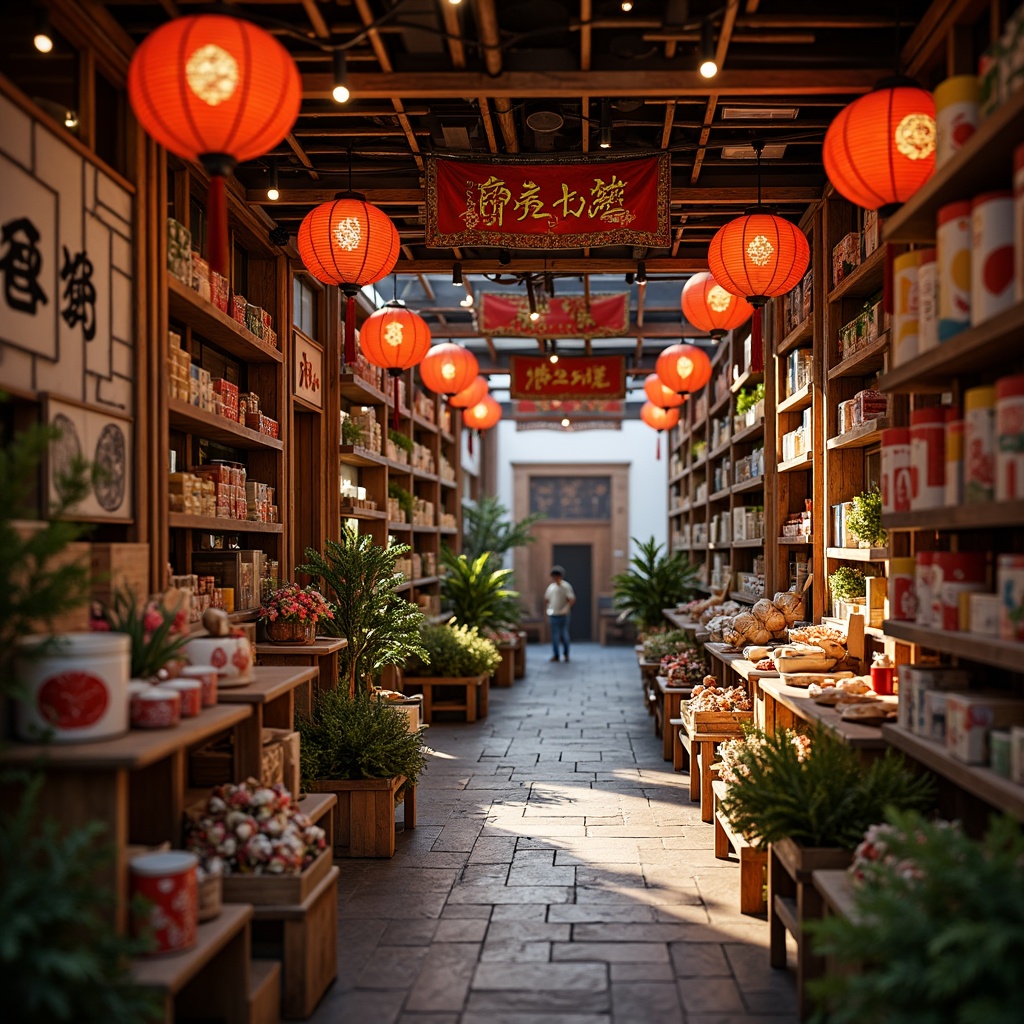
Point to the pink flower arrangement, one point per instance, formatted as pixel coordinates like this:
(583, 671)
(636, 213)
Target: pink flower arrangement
(874, 849)
(291, 603)
(253, 829)
(687, 668)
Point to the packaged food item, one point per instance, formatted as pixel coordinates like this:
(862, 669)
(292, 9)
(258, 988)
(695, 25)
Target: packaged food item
(896, 477)
(902, 603)
(934, 715)
(1018, 222)
(979, 444)
(954, 573)
(1010, 595)
(992, 273)
(954, 473)
(200, 276)
(905, 313)
(983, 614)
(999, 752)
(918, 680)
(970, 720)
(928, 301)
(928, 457)
(923, 565)
(1017, 754)
(953, 249)
(957, 114)
(1009, 428)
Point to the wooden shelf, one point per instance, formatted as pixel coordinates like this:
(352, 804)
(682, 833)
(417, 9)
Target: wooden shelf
(190, 419)
(750, 377)
(722, 449)
(975, 516)
(271, 681)
(448, 530)
(219, 524)
(741, 598)
(757, 542)
(398, 467)
(720, 404)
(423, 528)
(798, 400)
(801, 462)
(865, 362)
(795, 542)
(422, 424)
(719, 545)
(357, 455)
(449, 483)
(800, 335)
(974, 349)
(422, 474)
(864, 435)
(217, 327)
(858, 554)
(987, 650)
(983, 163)
(864, 281)
(348, 512)
(981, 782)
(721, 495)
(751, 433)
(426, 581)
(394, 524)
(355, 389)
(755, 483)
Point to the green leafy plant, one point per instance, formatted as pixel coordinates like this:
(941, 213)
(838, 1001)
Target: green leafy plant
(938, 928)
(816, 795)
(351, 431)
(865, 519)
(401, 440)
(477, 594)
(381, 627)
(663, 644)
(358, 737)
(653, 582)
(455, 652)
(487, 528)
(698, 448)
(402, 496)
(157, 634)
(747, 398)
(847, 584)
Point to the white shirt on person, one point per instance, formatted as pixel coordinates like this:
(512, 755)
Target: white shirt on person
(558, 596)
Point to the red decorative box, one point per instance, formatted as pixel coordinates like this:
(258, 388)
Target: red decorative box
(169, 886)
(238, 305)
(220, 291)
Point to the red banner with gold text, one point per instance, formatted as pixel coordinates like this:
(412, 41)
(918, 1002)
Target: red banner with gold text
(536, 377)
(525, 203)
(569, 316)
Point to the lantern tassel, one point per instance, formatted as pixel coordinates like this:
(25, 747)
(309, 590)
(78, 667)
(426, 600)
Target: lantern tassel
(471, 442)
(887, 304)
(350, 331)
(756, 343)
(217, 213)
(657, 446)
(396, 403)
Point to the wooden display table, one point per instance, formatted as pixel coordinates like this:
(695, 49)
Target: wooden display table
(666, 707)
(680, 621)
(474, 703)
(323, 655)
(272, 699)
(753, 860)
(700, 734)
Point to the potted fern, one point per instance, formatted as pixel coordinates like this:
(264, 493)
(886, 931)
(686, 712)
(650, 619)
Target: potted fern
(653, 582)
(848, 587)
(864, 520)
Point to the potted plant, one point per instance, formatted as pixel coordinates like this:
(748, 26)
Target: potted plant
(404, 499)
(749, 405)
(864, 520)
(654, 581)
(291, 613)
(848, 587)
(361, 749)
(381, 627)
(935, 927)
(351, 432)
(158, 635)
(399, 447)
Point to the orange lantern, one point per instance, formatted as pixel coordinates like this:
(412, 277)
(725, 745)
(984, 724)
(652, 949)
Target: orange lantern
(660, 395)
(683, 368)
(395, 339)
(449, 369)
(349, 243)
(881, 148)
(219, 91)
(659, 419)
(483, 415)
(472, 395)
(709, 307)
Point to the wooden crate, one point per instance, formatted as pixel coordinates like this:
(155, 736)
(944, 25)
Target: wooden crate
(364, 816)
(717, 722)
(289, 742)
(276, 890)
(119, 567)
(505, 673)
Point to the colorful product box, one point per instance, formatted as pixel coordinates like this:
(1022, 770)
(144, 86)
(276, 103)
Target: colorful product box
(970, 717)
(915, 682)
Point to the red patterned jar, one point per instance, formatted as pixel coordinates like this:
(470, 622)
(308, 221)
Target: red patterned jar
(191, 693)
(231, 656)
(158, 708)
(169, 886)
(207, 677)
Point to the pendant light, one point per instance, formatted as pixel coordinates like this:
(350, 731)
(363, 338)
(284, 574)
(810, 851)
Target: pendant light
(659, 394)
(758, 256)
(709, 307)
(395, 339)
(470, 396)
(218, 91)
(683, 368)
(659, 419)
(448, 369)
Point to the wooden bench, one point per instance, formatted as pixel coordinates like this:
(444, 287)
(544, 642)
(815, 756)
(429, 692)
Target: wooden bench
(753, 861)
(474, 702)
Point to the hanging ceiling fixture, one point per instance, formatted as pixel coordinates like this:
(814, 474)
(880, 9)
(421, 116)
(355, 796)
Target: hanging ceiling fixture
(660, 394)
(708, 62)
(709, 307)
(42, 38)
(273, 187)
(683, 368)
(605, 138)
(658, 419)
(340, 92)
(472, 395)
(449, 369)
(457, 275)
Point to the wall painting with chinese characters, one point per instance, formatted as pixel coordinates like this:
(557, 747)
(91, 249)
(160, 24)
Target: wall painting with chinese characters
(572, 497)
(308, 360)
(525, 203)
(569, 316)
(536, 377)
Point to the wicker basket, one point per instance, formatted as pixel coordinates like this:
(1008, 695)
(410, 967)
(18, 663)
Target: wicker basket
(272, 763)
(211, 894)
(281, 632)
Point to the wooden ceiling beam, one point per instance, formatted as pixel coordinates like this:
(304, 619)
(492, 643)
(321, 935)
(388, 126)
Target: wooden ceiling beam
(303, 158)
(666, 128)
(784, 38)
(316, 19)
(562, 265)
(490, 39)
(705, 134)
(456, 48)
(927, 43)
(586, 33)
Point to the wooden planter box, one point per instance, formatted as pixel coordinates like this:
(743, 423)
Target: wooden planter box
(276, 890)
(474, 701)
(505, 674)
(364, 816)
(716, 722)
(520, 658)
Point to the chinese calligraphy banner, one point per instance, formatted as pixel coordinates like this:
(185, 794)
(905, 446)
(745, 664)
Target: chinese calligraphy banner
(586, 408)
(522, 203)
(536, 377)
(508, 316)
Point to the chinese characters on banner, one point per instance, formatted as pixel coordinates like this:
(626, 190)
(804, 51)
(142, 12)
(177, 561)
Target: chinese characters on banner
(536, 377)
(308, 362)
(607, 316)
(523, 203)
(583, 414)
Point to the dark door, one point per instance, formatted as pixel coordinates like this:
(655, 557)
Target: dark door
(577, 561)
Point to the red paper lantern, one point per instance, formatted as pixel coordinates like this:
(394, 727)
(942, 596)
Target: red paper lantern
(349, 243)
(758, 256)
(483, 415)
(709, 307)
(470, 396)
(881, 148)
(683, 368)
(395, 338)
(659, 419)
(660, 395)
(216, 90)
(449, 369)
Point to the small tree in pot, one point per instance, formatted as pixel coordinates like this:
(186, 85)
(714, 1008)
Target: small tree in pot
(654, 581)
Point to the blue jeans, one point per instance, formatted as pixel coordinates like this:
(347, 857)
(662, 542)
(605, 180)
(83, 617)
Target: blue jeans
(559, 632)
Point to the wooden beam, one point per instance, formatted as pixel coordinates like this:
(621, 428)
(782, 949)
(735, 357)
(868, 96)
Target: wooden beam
(586, 10)
(775, 83)
(640, 298)
(485, 115)
(725, 33)
(428, 288)
(786, 38)
(927, 43)
(490, 38)
(666, 128)
(316, 19)
(370, 131)
(300, 153)
(491, 348)
(456, 48)
(705, 133)
(678, 240)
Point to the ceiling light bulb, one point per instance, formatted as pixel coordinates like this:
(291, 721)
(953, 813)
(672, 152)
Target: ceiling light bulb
(340, 92)
(70, 119)
(565, 422)
(553, 358)
(273, 191)
(708, 69)
(708, 62)
(467, 301)
(42, 38)
(273, 194)
(606, 125)
(455, 3)
(627, 6)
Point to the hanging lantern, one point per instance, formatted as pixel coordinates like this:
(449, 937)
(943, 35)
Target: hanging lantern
(470, 396)
(709, 307)
(349, 243)
(449, 369)
(660, 395)
(881, 148)
(683, 368)
(395, 339)
(659, 419)
(483, 415)
(218, 91)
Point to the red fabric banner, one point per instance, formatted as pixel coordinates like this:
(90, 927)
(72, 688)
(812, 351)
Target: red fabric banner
(556, 411)
(536, 377)
(523, 203)
(567, 316)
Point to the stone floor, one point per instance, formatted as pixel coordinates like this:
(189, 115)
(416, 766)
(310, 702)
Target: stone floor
(559, 875)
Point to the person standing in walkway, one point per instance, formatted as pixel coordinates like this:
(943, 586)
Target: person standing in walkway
(559, 598)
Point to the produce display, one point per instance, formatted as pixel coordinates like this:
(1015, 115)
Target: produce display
(687, 668)
(709, 696)
(733, 624)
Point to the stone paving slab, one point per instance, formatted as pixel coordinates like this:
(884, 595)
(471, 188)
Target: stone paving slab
(559, 875)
